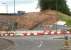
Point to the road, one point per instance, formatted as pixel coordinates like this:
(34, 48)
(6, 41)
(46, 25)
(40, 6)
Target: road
(37, 43)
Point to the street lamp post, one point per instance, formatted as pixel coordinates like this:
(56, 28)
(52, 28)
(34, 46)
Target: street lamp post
(14, 6)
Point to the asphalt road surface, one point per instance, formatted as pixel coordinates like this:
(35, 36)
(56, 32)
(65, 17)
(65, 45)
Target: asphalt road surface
(6, 44)
(37, 43)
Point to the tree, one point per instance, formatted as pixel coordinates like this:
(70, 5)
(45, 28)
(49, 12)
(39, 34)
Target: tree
(59, 5)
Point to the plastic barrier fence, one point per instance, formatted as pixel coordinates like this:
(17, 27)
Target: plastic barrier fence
(31, 33)
(9, 33)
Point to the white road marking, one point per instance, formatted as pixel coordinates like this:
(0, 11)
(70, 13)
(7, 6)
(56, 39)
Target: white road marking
(40, 45)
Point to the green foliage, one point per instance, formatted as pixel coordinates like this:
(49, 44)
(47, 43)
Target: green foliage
(68, 22)
(66, 18)
(59, 5)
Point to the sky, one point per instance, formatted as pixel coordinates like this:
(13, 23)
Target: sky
(7, 6)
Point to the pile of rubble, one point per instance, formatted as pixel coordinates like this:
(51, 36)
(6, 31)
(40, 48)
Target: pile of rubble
(33, 19)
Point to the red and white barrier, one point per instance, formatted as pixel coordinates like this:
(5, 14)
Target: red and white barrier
(43, 33)
(4, 33)
(32, 33)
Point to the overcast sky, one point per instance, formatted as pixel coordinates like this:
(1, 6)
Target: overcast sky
(21, 5)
